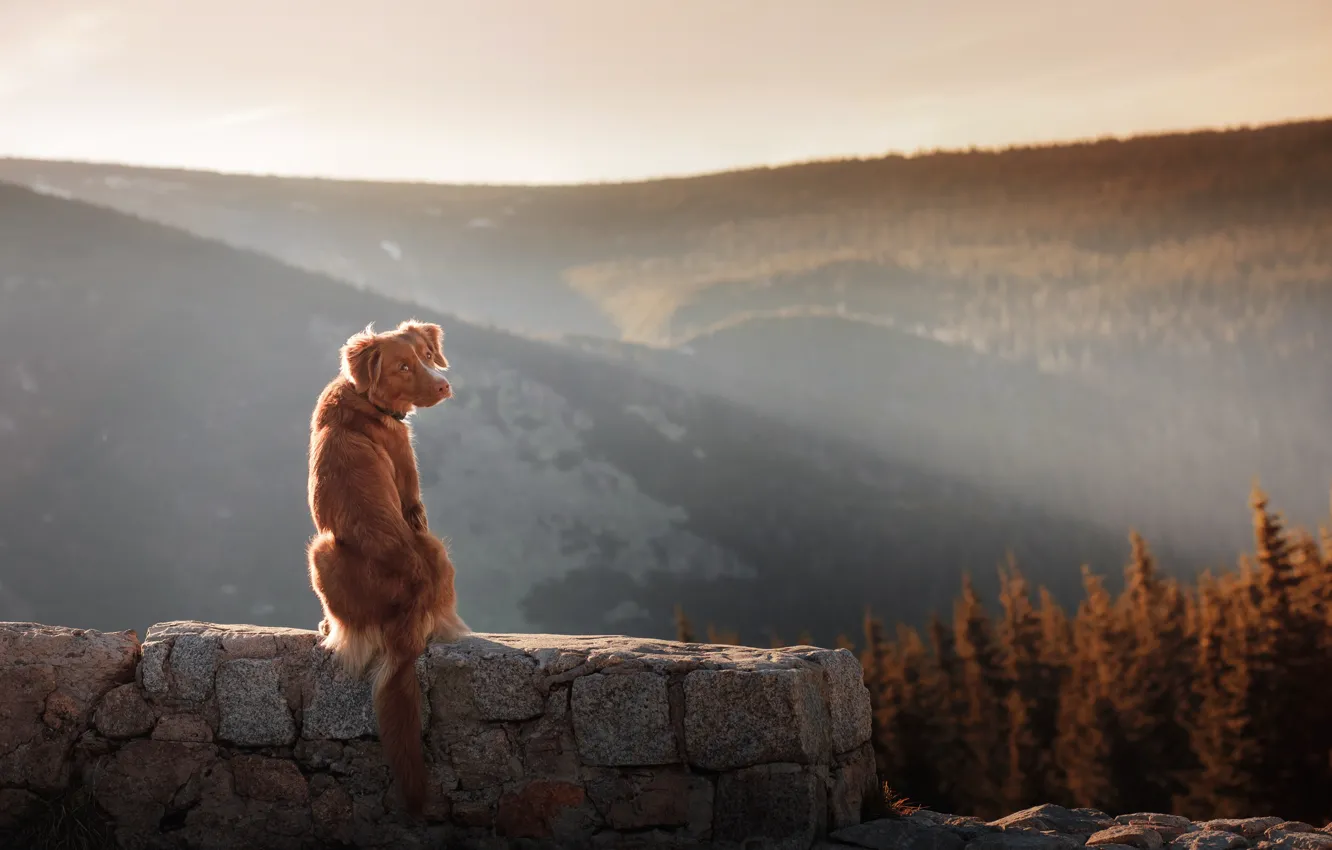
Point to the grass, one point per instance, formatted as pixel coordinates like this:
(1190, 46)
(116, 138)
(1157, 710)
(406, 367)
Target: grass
(72, 821)
(888, 804)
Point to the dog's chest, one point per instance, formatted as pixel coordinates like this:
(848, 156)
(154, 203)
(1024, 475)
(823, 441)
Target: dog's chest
(404, 460)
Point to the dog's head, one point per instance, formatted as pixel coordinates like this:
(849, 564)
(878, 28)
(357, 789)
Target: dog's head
(398, 370)
(428, 339)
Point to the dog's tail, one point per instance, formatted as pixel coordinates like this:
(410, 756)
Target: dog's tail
(397, 695)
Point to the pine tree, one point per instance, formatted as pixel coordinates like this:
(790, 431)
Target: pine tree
(1088, 742)
(1019, 647)
(1285, 662)
(911, 729)
(1155, 750)
(944, 691)
(1220, 728)
(684, 631)
(982, 694)
(875, 664)
(1053, 666)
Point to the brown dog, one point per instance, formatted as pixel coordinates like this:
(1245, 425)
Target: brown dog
(385, 582)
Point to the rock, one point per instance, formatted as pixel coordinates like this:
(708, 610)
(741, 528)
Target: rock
(547, 746)
(854, 779)
(271, 779)
(475, 809)
(1248, 827)
(965, 828)
(1052, 818)
(1130, 835)
(900, 834)
(189, 728)
(669, 797)
(53, 677)
(193, 661)
(151, 675)
(1298, 841)
(252, 710)
(1209, 839)
(332, 809)
(1092, 813)
(1012, 840)
(734, 718)
(1287, 826)
(848, 698)
(1169, 827)
(546, 809)
(503, 686)
(623, 720)
(341, 707)
(483, 759)
(123, 713)
(778, 805)
(143, 778)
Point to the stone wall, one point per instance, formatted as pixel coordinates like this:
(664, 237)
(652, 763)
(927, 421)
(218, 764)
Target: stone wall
(239, 736)
(1051, 827)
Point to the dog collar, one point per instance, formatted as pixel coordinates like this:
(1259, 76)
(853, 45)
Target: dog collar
(384, 410)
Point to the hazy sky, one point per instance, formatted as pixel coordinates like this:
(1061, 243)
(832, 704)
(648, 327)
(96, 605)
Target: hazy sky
(575, 90)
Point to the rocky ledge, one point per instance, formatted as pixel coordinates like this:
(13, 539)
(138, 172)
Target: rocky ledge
(1057, 828)
(216, 736)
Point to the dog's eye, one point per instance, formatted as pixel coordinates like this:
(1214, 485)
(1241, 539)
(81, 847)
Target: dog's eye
(406, 367)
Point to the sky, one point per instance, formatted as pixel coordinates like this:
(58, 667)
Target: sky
(566, 91)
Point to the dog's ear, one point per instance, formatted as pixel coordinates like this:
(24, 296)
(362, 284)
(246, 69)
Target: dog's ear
(433, 333)
(361, 359)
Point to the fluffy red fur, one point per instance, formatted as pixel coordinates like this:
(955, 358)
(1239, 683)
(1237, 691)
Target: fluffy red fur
(385, 582)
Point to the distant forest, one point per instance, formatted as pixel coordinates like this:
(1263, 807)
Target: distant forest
(1209, 700)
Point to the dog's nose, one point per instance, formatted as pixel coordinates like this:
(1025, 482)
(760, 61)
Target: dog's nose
(444, 389)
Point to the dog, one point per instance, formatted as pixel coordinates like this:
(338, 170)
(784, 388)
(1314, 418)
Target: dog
(384, 580)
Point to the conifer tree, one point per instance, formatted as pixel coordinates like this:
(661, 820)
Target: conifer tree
(874, 663)
(982, 695)
(1285, 662)
(1220, 729)
(1087, 744)
(1325, 543)
(1155, 674)
(911, 731)
(1052, 670)
(684, 631)
(944, 688)
(1019, 649)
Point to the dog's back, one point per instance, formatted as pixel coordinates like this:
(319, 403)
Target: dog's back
(385, 582)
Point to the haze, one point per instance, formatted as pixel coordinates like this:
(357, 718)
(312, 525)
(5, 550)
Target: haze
(597, 90)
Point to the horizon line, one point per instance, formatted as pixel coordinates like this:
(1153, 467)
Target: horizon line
(918, 153)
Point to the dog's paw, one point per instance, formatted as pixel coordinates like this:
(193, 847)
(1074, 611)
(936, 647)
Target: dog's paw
(449, 629)
(323, 627)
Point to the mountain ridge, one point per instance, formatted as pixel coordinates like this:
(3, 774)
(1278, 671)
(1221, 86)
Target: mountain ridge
(171, 467)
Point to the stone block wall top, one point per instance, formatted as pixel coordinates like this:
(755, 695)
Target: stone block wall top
(562, 739)
(51, 680)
